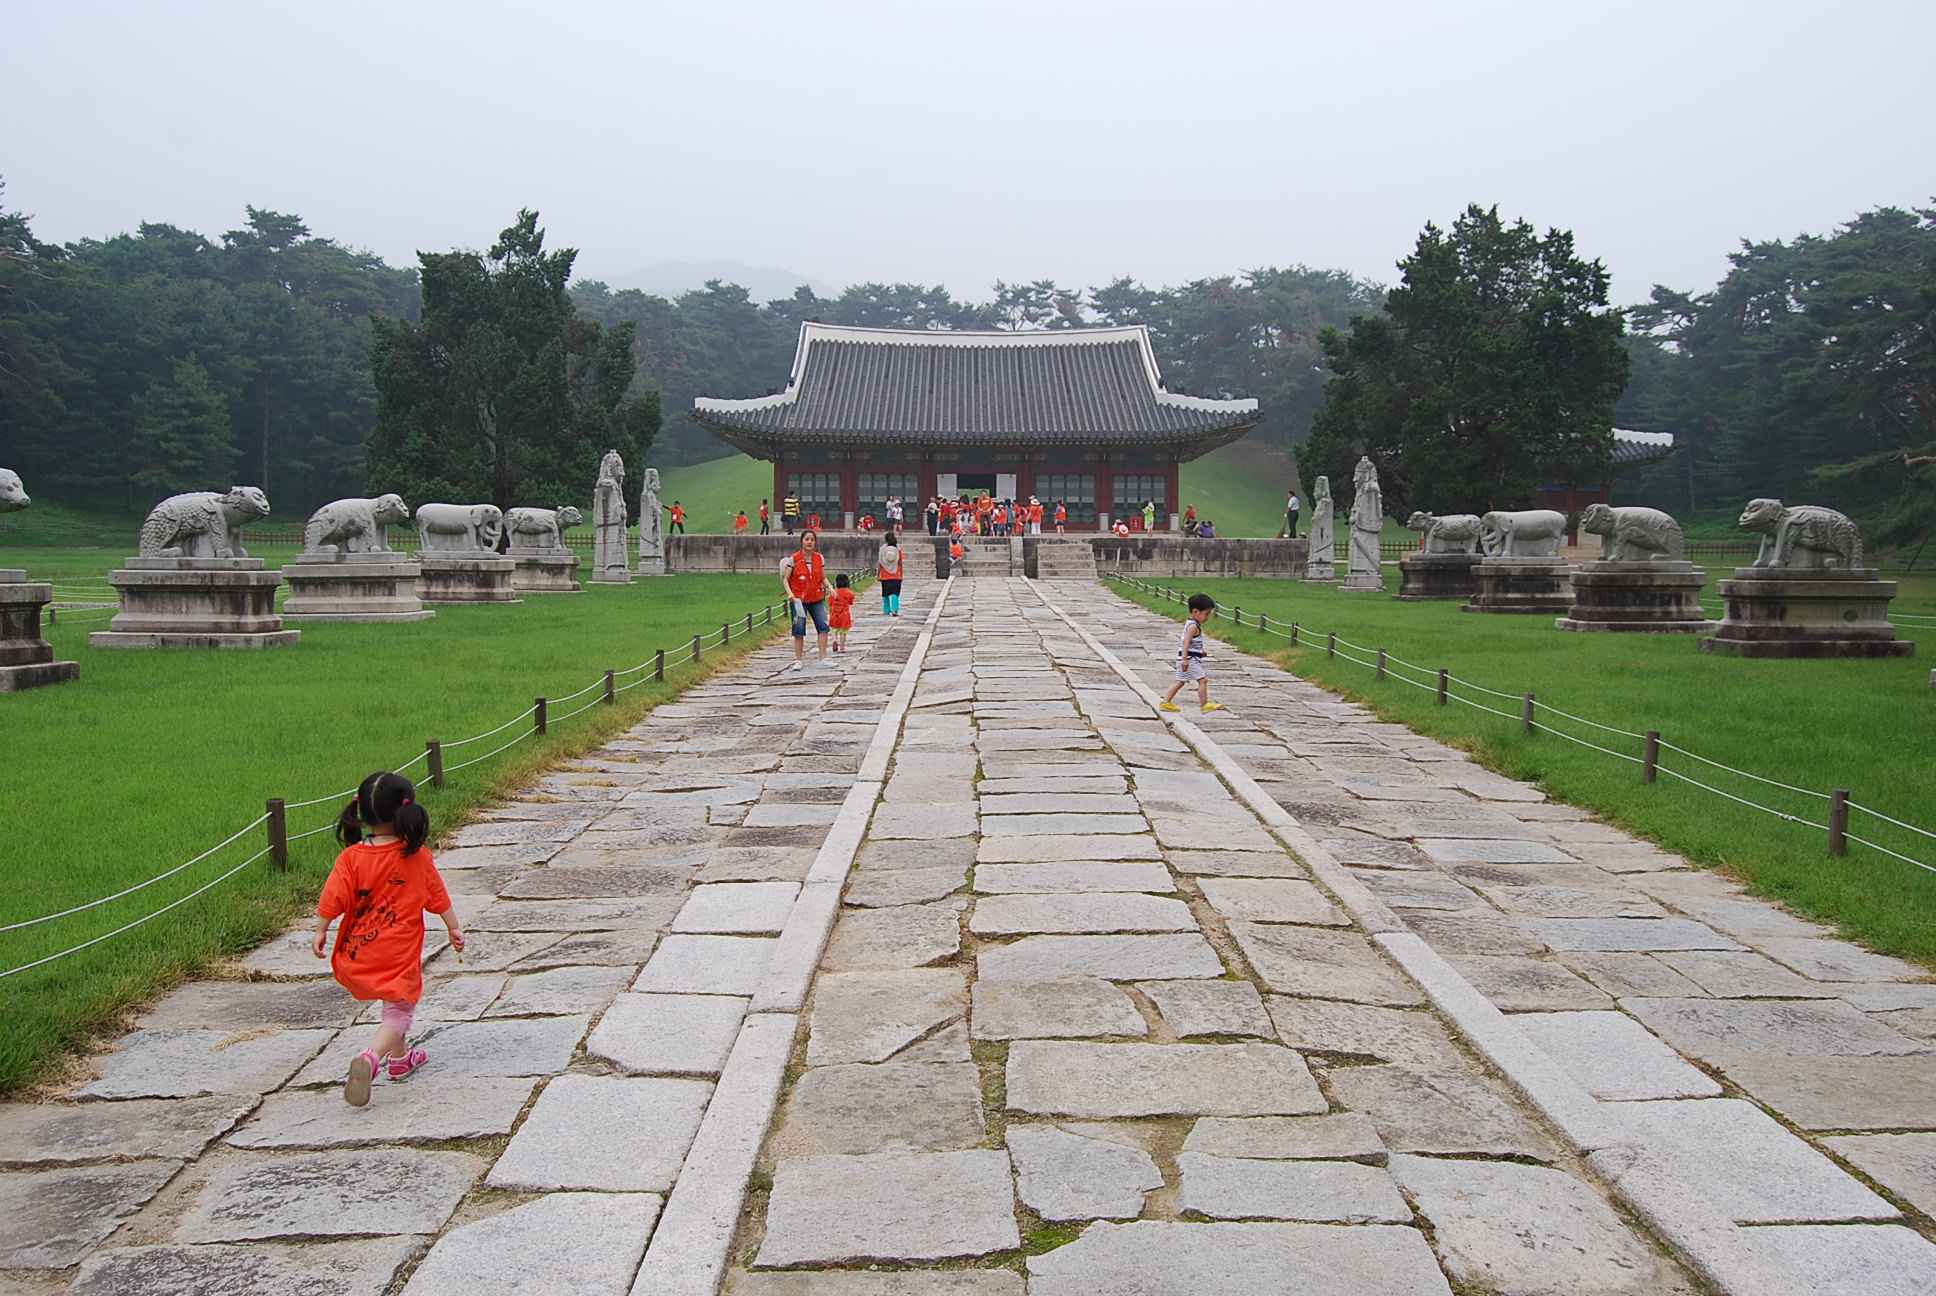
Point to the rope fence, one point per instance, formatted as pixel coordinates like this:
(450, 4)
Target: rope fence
(1535, 716)
(537, 718)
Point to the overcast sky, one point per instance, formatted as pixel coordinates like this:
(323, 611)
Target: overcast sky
(981, 139)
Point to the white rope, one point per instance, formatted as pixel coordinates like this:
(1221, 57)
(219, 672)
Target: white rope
(487, 755)
(597, 683)
(1786, 787)
(1779, 814)
(137, 922)
(1924, 832)
(312, 832)
(304, 805)
(597, 701)
(91, 904)
(516, 719)
(1886, 851)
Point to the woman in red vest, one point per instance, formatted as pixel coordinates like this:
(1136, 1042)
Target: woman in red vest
(804, 574)
(889, 565)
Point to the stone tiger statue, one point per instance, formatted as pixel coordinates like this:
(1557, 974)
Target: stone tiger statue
(1452, 534)
(202, 524)
(536, 530)
(1805, 535)
(13, 496)
(1634, 534)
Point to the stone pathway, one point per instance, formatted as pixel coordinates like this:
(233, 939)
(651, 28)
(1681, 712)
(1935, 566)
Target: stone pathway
(1276, 999)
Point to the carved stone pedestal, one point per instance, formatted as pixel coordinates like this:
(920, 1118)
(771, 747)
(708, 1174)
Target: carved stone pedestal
(1318, 572)
(1803, 612)
(1522, 585)
(612, 576)
(652, 565)
(466, 578)
(1427, 577)
(27, 660)
(354, 587)
(1646, 597)
(195, 603)
(542, 572)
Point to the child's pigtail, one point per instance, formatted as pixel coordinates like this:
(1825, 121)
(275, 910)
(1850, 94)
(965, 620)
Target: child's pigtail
(412, 823)
(349, 825)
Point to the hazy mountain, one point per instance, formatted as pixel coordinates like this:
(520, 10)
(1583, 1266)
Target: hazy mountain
(670, 278)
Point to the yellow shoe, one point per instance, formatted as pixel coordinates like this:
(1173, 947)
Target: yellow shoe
(1168, 706)
(1213, 706)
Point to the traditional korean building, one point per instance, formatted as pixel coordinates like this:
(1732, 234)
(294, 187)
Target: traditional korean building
(1077, 415)
(1630, 450)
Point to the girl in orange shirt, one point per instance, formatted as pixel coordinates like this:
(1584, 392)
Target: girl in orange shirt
(840, 611)
(381, 887)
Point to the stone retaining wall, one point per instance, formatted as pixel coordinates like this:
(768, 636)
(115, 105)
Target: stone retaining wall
(1175, 556)
(1147, 555)
(756, 553)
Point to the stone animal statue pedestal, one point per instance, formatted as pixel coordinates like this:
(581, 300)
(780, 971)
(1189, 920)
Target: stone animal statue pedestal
(357, 587)
(612, 576)
(1319, 572)
(1662, 597)
(1358, 580)
(1522, 585)
(1428, 577)
(540, 572)
(465, 578)
(195, 603)
(1807, 612)
(27, 660)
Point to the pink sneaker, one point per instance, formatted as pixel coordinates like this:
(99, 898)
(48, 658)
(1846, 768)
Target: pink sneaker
(403, 1066)
(356, 1089)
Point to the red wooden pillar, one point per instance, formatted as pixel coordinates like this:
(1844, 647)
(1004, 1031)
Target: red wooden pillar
(779, 484)
(1175, 502)
(849, 491)
(1105, 490)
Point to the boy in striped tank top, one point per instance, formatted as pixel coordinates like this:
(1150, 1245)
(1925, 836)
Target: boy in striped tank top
(1190, 657)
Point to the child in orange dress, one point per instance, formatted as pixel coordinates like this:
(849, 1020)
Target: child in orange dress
(381, 887)
(840, 611)
(739, 523)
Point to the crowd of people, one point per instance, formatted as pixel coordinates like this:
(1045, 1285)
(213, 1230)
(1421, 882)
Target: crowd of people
(985, 515)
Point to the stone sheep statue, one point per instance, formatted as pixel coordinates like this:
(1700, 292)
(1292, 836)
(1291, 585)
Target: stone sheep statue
(1531, 533)
(1634, 534)
(1451, 534)
(202, 524)
(460, 528)
(13, 496)
(1805, 535)
(348, 526)
(536, 530)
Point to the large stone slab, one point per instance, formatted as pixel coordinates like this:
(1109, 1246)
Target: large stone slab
(450, 1108)
(718, 965)
(1113, 958)
(532, 1046)
(1629, 975)
(1715, 1030)
(330, 1194)
(1630, 934)
(1210, 1007)
(929, 822)
(1236, 863)
(1509, 1228)
(50, 1219)
(65, 1133)
(1905, 1164)
(904, 936)
(1076, 876)
(1724, 1159)
(1115, 911)
(885, 888)
(1152, 1256)
(737, 908)
(564, 1244)
(559, 991)
(1481, 850)
(1043, 850)
(1439, 1112)
(590, 882)
(1063, 802)
(1364, 1030)
(1476, 932)
(1863, 1258)
(1347, 1136)
(1743, 975)
(250, 1005)
(604, 1134)
(363, 1268)
(1838, 960)
(890, 1107)
(901, 1282)
(890, 1206)
(601, 914)
(1274, 900)
(1061, 825)
(1235, 831)
(1517, 984)
(1071, 1008)
(1336, 1192)
(1061, 1175)
(668, 1034)
(1117, 1081)
(1322, 964)
(188, 1063)
(1614, 1056)
(871, 1016)
(1843, 1092)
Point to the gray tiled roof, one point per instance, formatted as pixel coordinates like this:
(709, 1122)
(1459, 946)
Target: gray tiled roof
(1082, 386)
(1632, 449)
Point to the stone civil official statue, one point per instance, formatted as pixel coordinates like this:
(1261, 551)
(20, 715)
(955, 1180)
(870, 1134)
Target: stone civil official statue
(609, 559)
(1367, 521)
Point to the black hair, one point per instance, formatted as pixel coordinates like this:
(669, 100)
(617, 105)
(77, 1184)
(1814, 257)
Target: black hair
(889, 537)
(385, 798)
(841, 581)
(1202, 603)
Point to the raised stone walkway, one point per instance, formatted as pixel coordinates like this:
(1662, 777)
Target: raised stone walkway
(1276, 999)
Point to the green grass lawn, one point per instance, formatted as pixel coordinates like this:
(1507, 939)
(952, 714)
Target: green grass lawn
(152, 758)
(1868, 726)
(1241, 488)
(713, 490)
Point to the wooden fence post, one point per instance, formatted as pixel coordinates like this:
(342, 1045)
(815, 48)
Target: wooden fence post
(1526, 714)
(725, 633)
(434, 761)
(1445, 678)
(1650, 756)
(538, 714)
(1381, 664)
(695, 647)
(1838, 821)
(278, 833)
(1331, 644)
(611, 694)
(658, 664)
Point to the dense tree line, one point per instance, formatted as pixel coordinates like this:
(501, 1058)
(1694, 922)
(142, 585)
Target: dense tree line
(1255, 334)
(163, 361)
(1808, 374)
